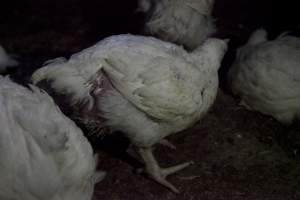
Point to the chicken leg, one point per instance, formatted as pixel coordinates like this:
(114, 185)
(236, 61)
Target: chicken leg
(157, 173)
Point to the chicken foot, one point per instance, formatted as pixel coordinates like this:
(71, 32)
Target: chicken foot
(157, 173)
(99, 176)
(167, 143)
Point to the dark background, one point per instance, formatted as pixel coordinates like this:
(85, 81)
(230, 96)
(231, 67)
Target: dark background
(104, 17)
(88, 21)
(239, 155)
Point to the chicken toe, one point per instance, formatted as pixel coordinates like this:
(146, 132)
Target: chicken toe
(167, 143)
(99, 176)
(159, 174)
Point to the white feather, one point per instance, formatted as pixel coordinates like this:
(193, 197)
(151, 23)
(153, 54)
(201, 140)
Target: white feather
(151, 81)
(43, 154)
(184, 22)
(266, 76)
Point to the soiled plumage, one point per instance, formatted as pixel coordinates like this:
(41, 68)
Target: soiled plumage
(142, 86)
(266, 76)
(184, 22)
(43, 154)
(6, 61)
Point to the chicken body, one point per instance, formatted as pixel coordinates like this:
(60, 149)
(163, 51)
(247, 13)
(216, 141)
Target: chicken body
(6, 61)
(142, 86)
(43, 154)
(184, 22)
(266, 76)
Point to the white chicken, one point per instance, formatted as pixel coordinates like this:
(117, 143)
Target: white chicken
(266, 76)
(43, 154)
(184, 22)
(139, 85)
(6, 61)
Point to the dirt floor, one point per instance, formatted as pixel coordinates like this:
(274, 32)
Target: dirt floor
(238, 154)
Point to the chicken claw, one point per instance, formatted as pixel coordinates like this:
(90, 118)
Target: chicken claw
(167, 143)
(99, 176)
(159, 174)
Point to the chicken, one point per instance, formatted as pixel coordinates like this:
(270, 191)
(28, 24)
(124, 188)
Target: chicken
(43, 154)
(139, 85)
(184, 22)
(6, 61)
(266, 76)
